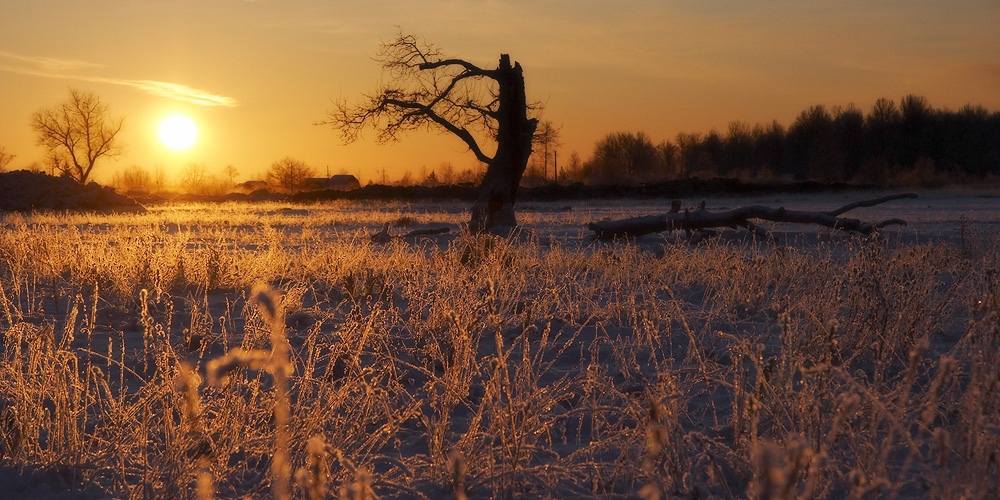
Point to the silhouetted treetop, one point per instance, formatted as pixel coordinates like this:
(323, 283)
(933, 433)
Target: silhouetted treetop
(426, 90)
(78, 133)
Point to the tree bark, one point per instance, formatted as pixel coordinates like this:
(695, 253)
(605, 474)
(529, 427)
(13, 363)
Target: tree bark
(493, 210)
(741, 217)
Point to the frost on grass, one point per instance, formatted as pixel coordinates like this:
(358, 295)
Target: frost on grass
(475, 366)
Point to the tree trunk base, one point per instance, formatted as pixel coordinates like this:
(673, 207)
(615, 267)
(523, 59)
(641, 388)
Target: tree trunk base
(492, 213)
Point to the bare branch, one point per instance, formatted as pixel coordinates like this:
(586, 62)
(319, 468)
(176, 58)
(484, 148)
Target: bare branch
(702, 219)
(425, 91)
(870, 203)
(462, 133)
(469, 67)
(78, 134)
(5, 158)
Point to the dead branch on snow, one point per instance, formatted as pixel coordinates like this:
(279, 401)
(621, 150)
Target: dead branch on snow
(702, 219)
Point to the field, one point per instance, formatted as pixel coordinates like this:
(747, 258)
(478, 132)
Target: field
(259, 350)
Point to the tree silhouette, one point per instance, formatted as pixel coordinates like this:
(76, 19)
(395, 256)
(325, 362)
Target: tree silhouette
(670, 158)
(624, 157)
(5, 158)
(289, 174)
(547, 138)
(849, 131)
(426, 90)
(231, 173)
(133, 178)
(738, 150)
(916, 117)
(193, 177)
(78, 133)
(813, 145)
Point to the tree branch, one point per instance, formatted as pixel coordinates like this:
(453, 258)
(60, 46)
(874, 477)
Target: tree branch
(702, 219)
(425, 90)
(460, 132)
(469, 67)
(871, 203)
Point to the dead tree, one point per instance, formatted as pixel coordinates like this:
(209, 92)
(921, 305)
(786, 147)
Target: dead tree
(702, 219)
(427, 90)
(78, 133)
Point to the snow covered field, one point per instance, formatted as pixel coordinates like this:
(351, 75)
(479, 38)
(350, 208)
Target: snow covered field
(819, 364)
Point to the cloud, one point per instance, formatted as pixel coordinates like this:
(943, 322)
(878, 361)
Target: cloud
(48, 67)
(42, 66)
(176, 91)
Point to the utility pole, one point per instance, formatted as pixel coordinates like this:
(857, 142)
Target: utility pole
(555, 166)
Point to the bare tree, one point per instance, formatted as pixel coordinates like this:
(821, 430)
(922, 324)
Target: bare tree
(624, 157)
(447, 173)
(78, 133)
(5, 158)
(289, 174)
(55, 163)
(159, 177)
(231, 174)
(193, 177)
(133, 178)
(547, 137)
(426, 90)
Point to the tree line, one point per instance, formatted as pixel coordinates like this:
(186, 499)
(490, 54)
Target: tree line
(287, 175)
(908, 142)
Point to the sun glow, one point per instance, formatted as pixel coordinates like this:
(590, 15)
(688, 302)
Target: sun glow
(178, 132)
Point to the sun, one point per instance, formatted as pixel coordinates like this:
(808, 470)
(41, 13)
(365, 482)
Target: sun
(178, 132)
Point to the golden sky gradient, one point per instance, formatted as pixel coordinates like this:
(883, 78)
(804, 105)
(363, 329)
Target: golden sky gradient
(256, 74)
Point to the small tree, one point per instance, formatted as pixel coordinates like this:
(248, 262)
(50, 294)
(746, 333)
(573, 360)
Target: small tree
(193, 177)
(447, 173)
(406, 179)
(574, 170)
(231, 174)
(133, 178)
(159, 181)
(289, 174)
(5, 158)
(431, 179)
(427, 90)
(78, 133)
(624, 157)
(547, 139)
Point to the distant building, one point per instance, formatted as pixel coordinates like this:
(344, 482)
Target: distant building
(342, 182)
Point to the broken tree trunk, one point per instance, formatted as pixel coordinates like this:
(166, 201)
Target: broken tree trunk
(494, 208)
(742, 217)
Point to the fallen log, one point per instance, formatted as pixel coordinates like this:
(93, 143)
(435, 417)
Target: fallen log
(383, 235)
(742, 217)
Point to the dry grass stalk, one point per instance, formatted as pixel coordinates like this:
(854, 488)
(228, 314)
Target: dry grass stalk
(491, 367)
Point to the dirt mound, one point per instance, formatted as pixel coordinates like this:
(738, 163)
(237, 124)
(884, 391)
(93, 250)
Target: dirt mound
(23, 191)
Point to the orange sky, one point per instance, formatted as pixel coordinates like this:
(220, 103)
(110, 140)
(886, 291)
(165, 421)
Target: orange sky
(256, 74)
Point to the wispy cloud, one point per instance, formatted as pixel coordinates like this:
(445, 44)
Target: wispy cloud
(49, 67)
(176, 91)
(41, 66)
